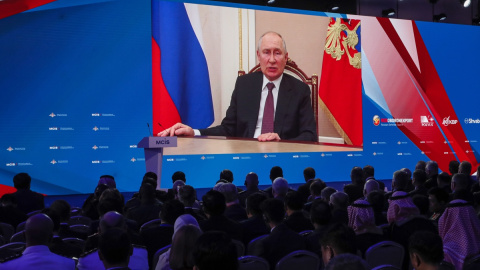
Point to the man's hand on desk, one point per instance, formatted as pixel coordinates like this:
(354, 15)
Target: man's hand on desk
(268, 137)
(178, 129)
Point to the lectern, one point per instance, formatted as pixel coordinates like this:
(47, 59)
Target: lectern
(153, 148)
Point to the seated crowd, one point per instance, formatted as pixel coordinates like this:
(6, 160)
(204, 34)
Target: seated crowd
(433, 216)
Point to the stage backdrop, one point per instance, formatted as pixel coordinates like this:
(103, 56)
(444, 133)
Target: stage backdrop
(78, 91)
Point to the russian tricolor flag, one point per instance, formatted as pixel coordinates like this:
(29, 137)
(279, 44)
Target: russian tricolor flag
(181, 85)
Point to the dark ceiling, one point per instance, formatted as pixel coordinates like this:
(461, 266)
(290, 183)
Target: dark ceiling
(419, 10)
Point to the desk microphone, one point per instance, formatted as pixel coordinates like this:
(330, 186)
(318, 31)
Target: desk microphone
(161, 125)
(149, 131)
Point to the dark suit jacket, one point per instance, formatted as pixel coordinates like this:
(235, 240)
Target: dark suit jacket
(254, 227)
(280, 242)
(221, 223)
(304, 190)
(235, 212)
(294, 118)
(298, 222)
(29, 201)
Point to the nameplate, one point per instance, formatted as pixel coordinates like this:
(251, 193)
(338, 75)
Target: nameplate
(157, 142)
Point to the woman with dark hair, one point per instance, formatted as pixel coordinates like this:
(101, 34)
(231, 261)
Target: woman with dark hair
(179, 256)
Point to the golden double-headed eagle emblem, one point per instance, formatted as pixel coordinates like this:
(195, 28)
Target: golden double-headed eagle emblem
(337, 44)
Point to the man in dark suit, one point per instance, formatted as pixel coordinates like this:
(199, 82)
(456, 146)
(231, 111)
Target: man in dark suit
(290, 106)
(304, 190)
(281, 240)
(27, 200)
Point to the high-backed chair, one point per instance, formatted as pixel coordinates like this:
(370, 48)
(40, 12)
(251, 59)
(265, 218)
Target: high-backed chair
(291, 68)
(157, 255)
(240, 247)
(151, 224)
(252, 263)
(18, 237)
(252, 244)
(7, 231)
(385, 253)
(15, 247)
(79, 220)
(300, 259)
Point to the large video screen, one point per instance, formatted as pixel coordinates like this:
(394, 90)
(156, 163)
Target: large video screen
(83, 82)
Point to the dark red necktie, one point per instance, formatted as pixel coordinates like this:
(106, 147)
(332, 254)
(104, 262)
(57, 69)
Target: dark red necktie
(268, 111)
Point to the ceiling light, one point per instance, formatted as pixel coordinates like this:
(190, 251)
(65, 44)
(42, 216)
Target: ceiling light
(465, 3)
(388, 12)
(439, 17)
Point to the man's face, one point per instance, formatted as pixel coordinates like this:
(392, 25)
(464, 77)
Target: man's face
(272, 56)
(434, 205)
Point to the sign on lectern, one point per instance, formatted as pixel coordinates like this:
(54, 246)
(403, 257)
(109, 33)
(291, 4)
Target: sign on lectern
(153, 149)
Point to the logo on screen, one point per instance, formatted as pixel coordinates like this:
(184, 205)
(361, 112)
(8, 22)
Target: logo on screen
(95, 128)
(133, 159)
(52, 115)
(53, 161)
(376, 120)
(9, 149)
(427, 121)
(472, 121)
(446, 121)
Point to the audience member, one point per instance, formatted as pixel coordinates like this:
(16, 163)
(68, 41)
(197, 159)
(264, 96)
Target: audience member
(90, 260)
(215, 251)
(280, 188)
(339, 239)
(362, 220)
(188, 196)
(438, 199)
(453, 167)
(355, 189)
(418, 180)
(27, 200)
(339, 203)
(425, 250)
(369, 174)
(444, 182)
(321, 216)
(304, 189)
(89, 208)
(234, 210)
(107, 180)
(149, 207)
(421, 165)
(179, 255)
(251, 184)
(377, 201)
(370, 185)
(38, 232)
(459, 228)
(296, 219)
(156, 237)
(254, 226)
(409, 187)
(401, 207)
(275, 172)
(316, 189)
(281, 240)
(459, 181)
(431, 168)
(327, 193)
(9, 212)
(115, 249)
(347, 261)
(214, 207)
(422, 203)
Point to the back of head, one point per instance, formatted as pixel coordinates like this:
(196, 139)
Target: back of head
(178, 175)
(107, 180)
(183, 243)
(308, 173)
(114, 247)
(276, 172)
(171, 210)
(419, 177)
(420, 165)
(427, 245)
(443, 179)
(294, 201)
(215, 251)
(453, 167)
(253, 203)
(376, 200)
(347, 261)
(214, 203)
(460, 181)
(110, 200)
(368, 171)
(339, 200)
(273, 210)
(320, 212)
(112, 219)
(400, 180)
(408, 172)
(327, 193)
(147, 193)
(227, 175)
(422, 203)
(22, 181)
(356, 175)
(340, 238)
(38, 230)
(251, 180)
(316, 187)
(54, 216)
(63, 209)
(465, 167)
(279, 187)
(176, 185)
(150, 175)
(187, 195)
(230, 192)
(431, 168)
(371, 185)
